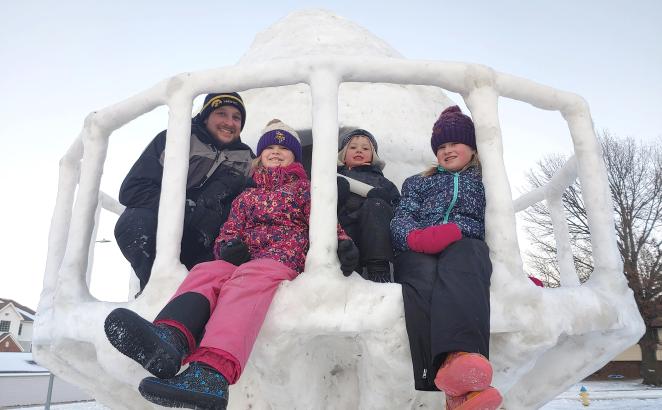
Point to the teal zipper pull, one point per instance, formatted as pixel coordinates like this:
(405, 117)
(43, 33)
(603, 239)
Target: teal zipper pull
(456, 182)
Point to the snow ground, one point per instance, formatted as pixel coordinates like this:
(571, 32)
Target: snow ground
(621, 395)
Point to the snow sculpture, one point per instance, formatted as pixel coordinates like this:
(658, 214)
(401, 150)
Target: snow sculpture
(329, 341)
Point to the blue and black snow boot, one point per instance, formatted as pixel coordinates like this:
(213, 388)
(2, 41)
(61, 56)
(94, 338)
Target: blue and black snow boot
(158, 348)
(197, 387)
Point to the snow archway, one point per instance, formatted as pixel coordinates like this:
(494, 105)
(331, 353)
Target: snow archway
(329, 341)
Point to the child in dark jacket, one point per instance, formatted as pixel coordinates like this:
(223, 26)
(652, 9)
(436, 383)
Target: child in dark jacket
(367, 219)
(214, 317)
(444, 267)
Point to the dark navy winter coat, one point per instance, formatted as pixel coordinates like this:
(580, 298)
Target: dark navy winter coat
(443, 197)
(371, 175)
(209, 161)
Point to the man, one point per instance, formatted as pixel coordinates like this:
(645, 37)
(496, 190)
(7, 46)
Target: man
(218, 168)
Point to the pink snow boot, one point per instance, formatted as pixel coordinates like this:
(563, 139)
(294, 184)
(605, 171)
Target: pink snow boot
(462, 373)
(488, 399)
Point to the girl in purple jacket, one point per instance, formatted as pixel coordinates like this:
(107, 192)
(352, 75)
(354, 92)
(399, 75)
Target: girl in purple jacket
(213, 319)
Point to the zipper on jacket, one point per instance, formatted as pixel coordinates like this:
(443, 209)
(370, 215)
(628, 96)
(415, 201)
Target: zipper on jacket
(213, 167)
(456, 182)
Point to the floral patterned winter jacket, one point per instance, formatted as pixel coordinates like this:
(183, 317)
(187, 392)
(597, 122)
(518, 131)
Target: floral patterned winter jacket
(272, 218)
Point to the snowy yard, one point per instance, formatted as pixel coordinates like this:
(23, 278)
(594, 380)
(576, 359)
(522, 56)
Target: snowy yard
(622, 395)
(619, 395)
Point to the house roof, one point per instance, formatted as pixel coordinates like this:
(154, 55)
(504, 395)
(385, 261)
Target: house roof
(27, 313)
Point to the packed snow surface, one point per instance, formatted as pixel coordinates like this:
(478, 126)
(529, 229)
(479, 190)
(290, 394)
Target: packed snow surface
(625, 395)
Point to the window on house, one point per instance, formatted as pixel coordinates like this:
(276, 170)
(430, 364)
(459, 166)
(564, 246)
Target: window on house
(20, 329)
(4, 325)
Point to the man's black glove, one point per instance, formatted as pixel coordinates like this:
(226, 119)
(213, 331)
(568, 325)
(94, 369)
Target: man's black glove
(348, 255)
(212, 208)
(206, 223)
(215, 194)
(234, 251)
(343, 189)
(379, 193)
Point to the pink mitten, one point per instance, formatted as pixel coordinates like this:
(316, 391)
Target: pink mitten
(433, 239)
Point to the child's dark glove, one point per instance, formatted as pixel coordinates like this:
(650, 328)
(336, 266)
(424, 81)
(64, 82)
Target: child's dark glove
(343, 189)
(379, 193)
(433, 239)
(234, 251)
(348, 255)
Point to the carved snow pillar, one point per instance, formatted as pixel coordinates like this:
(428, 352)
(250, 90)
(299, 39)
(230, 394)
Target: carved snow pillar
(564, 256)
(72, 283)
(323, 219)
(167, 265)
(500, 233)
(592, 175)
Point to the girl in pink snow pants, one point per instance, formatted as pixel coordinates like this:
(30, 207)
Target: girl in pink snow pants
(213, 319)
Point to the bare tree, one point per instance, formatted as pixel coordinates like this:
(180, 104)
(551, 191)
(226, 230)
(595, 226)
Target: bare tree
(635, 179)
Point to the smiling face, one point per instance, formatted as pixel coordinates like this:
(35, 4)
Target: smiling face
(453, 156)
(276, 156)
(359, 152)
(224, 124)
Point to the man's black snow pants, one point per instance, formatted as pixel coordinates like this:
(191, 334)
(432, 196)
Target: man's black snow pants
(447, 304)
(135, 232)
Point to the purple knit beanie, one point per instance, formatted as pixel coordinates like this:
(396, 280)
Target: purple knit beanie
(278, 133)
(453, 126)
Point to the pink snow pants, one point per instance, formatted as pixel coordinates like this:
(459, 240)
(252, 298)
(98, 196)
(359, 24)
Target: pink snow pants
(239, 297)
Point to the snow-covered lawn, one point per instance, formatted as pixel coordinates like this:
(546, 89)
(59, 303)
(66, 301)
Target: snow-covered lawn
(622, 395)
(614, 395)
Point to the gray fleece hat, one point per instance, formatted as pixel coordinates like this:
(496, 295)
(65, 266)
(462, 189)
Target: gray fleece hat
(359, 132)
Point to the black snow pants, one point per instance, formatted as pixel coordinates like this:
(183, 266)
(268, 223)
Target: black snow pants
(370, 229)
(447, 304)
(135, 232)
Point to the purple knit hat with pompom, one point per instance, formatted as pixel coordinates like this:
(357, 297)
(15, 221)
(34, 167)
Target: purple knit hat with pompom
(278, 133)
(453, 126)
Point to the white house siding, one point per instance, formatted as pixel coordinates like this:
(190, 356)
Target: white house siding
(26, 332)
(18, 324)
(25, 338)
(8, 313)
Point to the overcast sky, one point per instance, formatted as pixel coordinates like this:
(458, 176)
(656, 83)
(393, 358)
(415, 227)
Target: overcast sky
(61, 60)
